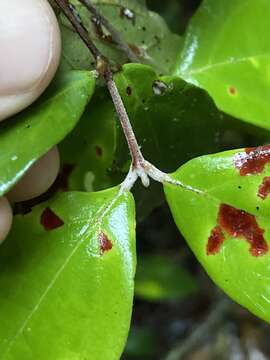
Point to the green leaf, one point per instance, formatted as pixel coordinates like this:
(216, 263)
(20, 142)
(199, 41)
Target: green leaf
(67, 292)
(225, 220)
(160, 278)
(227, 53)
(34, 131)
(173, 122)
(91, 146)
(172, 128)
(170, 117)
(146, 33)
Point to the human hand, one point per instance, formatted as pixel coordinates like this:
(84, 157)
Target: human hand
(30, 47)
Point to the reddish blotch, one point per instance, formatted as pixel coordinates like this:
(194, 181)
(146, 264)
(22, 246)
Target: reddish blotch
(104, 243)
(99, 151)
(215, 241)
(49, 220)
(253, 160)
(238, 224)
(264, 188)
(232, 90)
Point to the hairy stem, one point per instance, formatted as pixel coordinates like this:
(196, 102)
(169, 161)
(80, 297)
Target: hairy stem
(116, 37)
(140, 168)
(71, 13)
(126, 125)
(103, 68)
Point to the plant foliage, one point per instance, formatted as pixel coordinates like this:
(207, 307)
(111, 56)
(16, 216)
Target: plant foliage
(67, 268)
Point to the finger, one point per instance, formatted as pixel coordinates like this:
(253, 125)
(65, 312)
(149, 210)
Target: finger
(38, 179)
(5, 218)
(30, 50)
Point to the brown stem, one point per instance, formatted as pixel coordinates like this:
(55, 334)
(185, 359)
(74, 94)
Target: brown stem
(140, 167)
(73, 16)
(137, 157)
(116, 37)
(103, 68)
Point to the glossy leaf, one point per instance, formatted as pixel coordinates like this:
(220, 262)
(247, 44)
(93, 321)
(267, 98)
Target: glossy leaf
(161, 278)
(67, 279)
(225, 220)
(179, 116)
(145, 31)
(173, 121)
(90, 148)
(34, 131)
(227, 53)
(172, 127)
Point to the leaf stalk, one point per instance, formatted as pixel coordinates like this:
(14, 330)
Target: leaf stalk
(140, 168)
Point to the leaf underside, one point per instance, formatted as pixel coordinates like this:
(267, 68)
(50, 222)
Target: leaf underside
(144, 31)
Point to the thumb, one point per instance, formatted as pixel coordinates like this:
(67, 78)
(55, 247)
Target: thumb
(29, 52)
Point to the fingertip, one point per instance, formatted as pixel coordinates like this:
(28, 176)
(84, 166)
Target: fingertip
(31, 43)
(38, 178)
(5, 218)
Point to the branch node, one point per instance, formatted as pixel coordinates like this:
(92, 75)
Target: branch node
(143, 175)
(140, 168)
(102, 66)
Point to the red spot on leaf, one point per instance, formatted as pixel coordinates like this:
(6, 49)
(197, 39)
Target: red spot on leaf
(215, 241)
(105, 243)
(99, 151)
(238, 224)
(232, 90)
(49, 220)
(264, 188)
(253, 160)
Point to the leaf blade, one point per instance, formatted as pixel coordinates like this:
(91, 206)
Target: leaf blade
(33, 132)
(144, 31)
(233, 264)
(62, 296)
(228, 60)
(168, 126)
